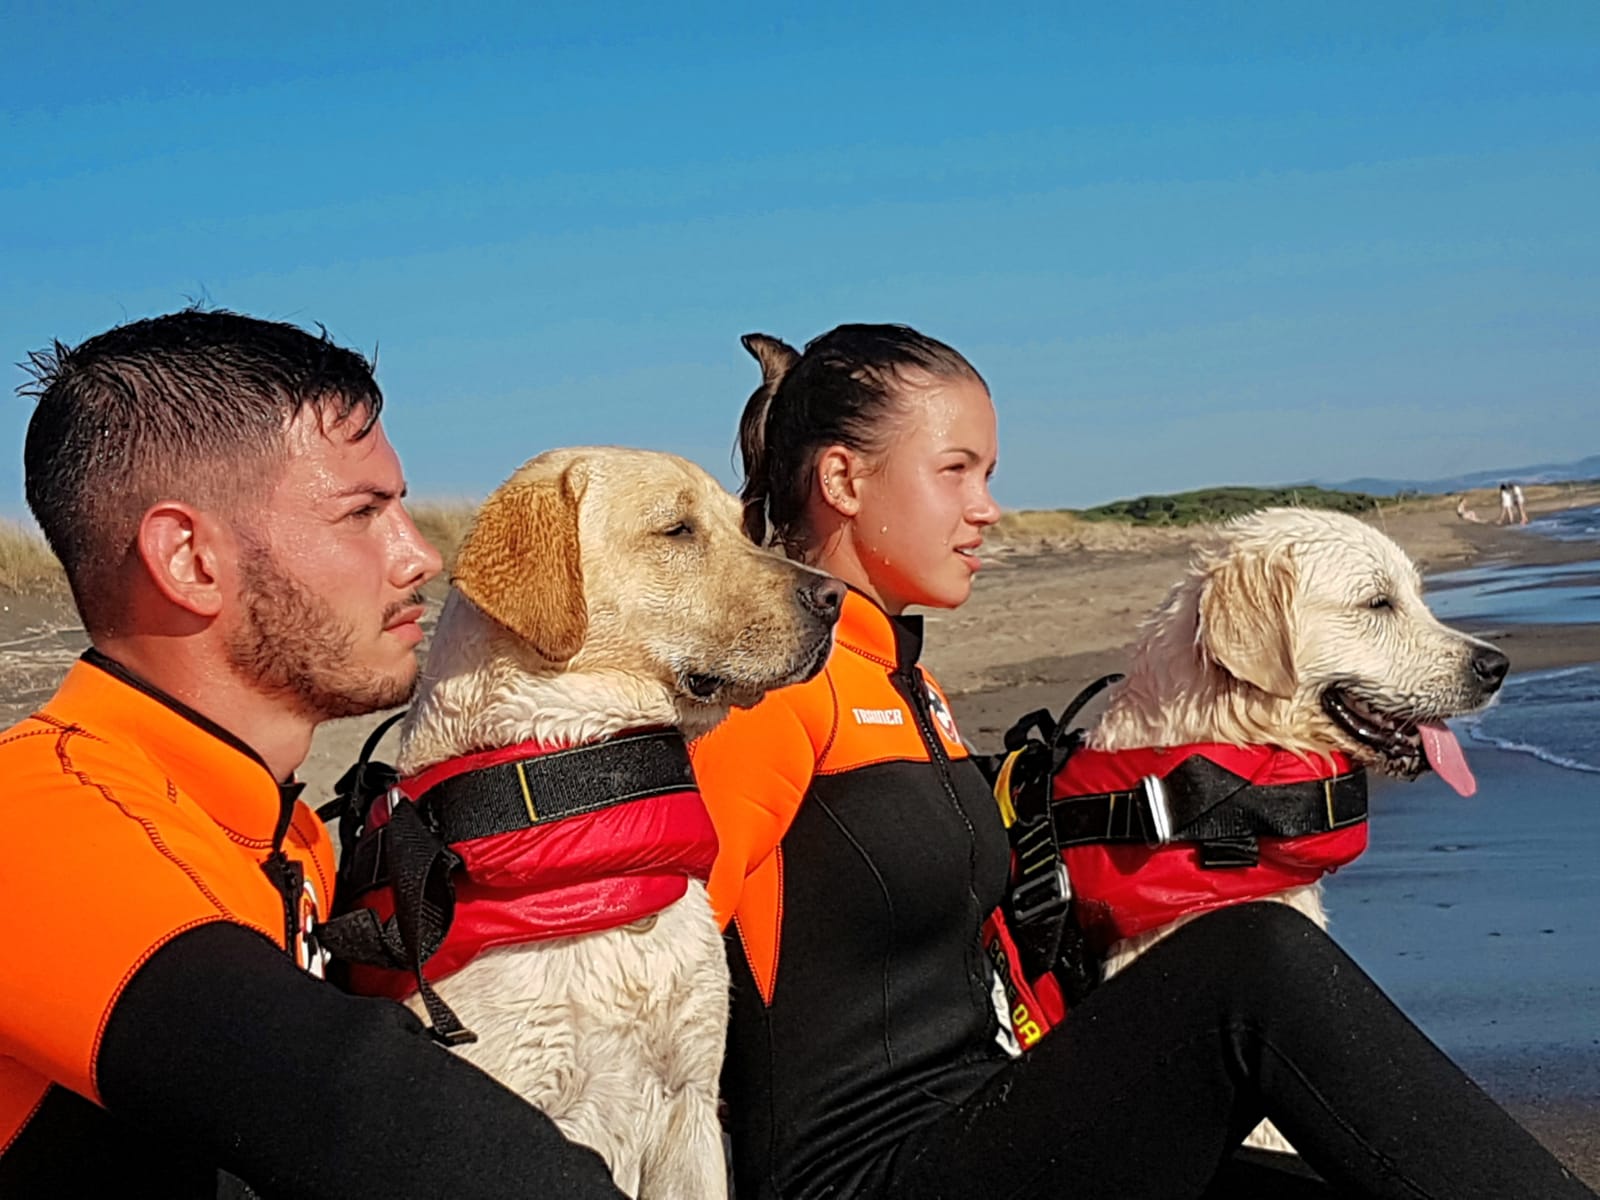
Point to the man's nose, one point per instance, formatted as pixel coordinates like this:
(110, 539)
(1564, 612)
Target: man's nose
(417, 561)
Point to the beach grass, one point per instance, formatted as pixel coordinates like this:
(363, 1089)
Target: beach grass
(1065, 529)
(27, 567)
(444, 523)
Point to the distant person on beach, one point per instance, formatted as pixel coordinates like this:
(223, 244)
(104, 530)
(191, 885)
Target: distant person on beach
(228, 511)
(1508, 511)
(1520, 503)
(861, 851)
(1465, 513)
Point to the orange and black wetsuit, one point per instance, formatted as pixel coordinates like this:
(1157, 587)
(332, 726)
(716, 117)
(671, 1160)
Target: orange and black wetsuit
(860, 853)
(160, 1015)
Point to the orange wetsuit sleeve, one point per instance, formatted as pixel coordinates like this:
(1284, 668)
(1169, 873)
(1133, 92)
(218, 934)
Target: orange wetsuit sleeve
(753, 770)
(100, 870)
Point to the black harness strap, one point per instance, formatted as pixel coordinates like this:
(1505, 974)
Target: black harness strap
(563, 783)
(1206, 803)
(1198, 802)
(1038, 904)
(410, 853)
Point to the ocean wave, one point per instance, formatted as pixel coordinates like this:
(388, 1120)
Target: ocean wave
(1534, 678)
(1539, 752)
(1571, 525)
(1551, 715)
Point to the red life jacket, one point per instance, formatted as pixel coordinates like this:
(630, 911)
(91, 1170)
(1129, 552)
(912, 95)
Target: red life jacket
(1125, 889)
(578, 874)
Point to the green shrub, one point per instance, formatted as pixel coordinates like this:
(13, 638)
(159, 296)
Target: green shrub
(1209, 505)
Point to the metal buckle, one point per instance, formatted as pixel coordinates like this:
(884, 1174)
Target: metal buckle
(1155, 798)
(1058, 891)
(393, 797)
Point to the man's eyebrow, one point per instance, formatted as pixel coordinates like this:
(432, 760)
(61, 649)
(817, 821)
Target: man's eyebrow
(969, 455)
(376, 491)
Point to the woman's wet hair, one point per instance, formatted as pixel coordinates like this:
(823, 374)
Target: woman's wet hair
(841, 391)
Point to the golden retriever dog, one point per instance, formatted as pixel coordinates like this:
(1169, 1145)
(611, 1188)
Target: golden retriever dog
(603, 590)
(1304, 630)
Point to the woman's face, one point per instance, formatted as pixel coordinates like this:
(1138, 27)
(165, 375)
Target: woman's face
(925, 501)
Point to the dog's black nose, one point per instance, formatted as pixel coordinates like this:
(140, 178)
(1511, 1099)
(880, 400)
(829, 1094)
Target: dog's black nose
(823, 597)
(1490, 667)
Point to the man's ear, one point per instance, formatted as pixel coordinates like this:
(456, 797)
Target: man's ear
(1247, 619)
(521, 564)
(181, 551)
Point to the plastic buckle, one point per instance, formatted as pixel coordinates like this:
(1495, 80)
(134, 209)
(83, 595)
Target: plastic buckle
(1155, 798)
(1057, 888)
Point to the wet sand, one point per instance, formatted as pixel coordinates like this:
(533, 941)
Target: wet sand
(1478, 916)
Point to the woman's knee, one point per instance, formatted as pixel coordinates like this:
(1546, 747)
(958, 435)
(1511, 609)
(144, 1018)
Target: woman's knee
(1261, 940)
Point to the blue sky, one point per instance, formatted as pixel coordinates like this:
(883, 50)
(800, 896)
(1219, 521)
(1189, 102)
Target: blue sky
(1185, 243)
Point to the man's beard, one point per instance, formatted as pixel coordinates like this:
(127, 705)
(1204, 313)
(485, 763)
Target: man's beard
(292, 644)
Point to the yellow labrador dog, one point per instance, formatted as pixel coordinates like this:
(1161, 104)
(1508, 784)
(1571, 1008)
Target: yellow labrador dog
(604, 590)
(1305, 630)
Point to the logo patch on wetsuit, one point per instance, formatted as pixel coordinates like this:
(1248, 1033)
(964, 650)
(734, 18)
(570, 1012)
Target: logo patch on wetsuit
(308, 951)
(879, 716)
(942, 715)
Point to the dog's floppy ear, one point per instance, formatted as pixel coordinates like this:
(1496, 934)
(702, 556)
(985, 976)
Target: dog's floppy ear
(520, 564)
(1247, 618)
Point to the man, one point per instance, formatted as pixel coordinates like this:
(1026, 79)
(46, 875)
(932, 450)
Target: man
(228, 511)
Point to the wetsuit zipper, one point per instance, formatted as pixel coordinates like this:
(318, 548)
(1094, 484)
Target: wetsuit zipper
(910, 683)
(286, 875)
(911, 686)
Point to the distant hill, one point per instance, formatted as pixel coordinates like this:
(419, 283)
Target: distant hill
(1583, 469)
(1217, 504)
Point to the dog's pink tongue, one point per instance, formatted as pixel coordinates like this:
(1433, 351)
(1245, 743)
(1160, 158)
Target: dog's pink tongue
(1444, 756)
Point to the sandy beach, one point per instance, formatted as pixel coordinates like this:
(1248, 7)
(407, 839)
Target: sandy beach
(1478, 916)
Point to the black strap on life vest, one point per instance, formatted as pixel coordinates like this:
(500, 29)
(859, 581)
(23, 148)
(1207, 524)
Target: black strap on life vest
(1038, 905)
(410, 853)
(1205, 803)
(527, 792)
(415, 862)
(556, 784)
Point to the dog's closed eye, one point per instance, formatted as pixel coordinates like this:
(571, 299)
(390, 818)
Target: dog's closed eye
(1380, 602)
(681, 530)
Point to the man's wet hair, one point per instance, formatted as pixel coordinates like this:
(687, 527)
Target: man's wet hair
(192, 407)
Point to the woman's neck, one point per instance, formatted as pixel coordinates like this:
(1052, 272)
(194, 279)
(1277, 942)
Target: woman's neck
(837, 555)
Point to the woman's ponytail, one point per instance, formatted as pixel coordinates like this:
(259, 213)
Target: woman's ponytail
(775, 357)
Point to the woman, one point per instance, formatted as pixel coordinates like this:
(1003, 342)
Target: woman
(861, 851)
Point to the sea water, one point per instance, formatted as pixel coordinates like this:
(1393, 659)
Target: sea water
(1480, 916)
(1559, 594)
(1552, 715)
(1573, 525)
